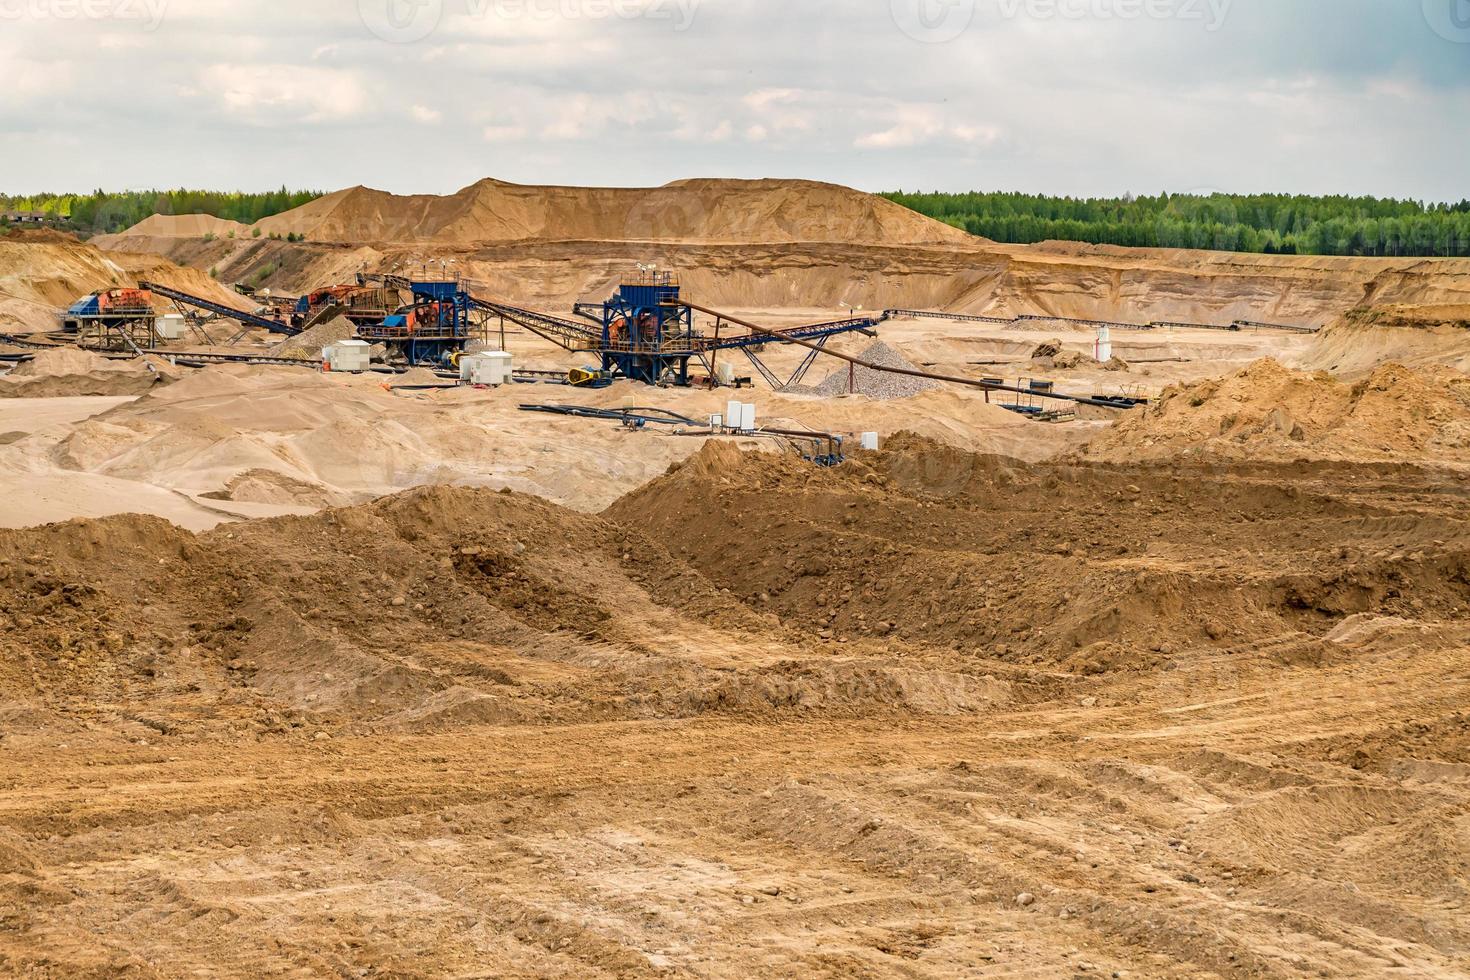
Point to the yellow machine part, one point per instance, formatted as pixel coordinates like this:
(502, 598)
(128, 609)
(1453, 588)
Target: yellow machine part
(582, 376)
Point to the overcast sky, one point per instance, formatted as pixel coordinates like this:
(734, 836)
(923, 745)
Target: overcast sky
(1057, 96)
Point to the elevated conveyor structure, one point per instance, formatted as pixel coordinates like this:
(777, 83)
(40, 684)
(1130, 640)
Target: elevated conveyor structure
(229, 312)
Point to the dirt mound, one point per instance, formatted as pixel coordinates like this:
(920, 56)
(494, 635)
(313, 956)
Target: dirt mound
(1267, 411)
(44, 236)
(745, 211)
(417, 376)
(40, 278)
(870, 551)
(308, 344)
(271, 487)
(303, 612)
(1414, 335)
(187, 226)
(65, 361)
(878, 385)
(70, 371)
(1051, 354)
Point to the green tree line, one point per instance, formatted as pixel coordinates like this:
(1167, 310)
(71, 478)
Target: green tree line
(1272, 223)
(103, 212)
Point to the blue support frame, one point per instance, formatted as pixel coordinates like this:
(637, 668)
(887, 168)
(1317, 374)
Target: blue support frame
(433, 341)
(647, 335)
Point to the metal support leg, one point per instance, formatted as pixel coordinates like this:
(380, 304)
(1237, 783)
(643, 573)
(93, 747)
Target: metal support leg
(808, 361)
(765, 372)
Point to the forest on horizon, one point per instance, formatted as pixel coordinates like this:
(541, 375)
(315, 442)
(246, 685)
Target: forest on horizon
(1286, 224)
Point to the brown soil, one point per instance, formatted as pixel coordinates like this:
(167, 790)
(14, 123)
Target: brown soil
(925, 714)
(1266, 411)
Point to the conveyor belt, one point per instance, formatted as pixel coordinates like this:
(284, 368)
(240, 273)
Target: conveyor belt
(199, 302)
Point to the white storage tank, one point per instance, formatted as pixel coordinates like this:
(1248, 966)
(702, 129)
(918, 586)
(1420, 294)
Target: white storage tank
(170, 326)
(747, 418)
(870, 440)
(732, 414)
(349, 356)
(491, 367)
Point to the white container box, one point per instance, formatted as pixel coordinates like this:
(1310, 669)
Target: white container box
(717, 421)
(870, 440)
(491, 367)
(747, 418)
(732, 414)
(170, 326)
(350, 356)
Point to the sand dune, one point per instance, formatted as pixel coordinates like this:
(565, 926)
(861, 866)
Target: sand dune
(490, 211)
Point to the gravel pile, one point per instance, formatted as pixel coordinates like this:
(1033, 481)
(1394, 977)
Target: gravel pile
(308, 344)
(878, 385)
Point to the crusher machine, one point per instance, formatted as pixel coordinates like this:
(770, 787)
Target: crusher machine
(113, 320)
(430, 329)
(646, 335)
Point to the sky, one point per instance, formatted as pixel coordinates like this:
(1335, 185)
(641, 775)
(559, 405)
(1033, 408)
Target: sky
(1081, 97)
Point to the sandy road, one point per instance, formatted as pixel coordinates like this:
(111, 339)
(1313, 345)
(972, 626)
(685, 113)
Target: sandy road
(1190, 828)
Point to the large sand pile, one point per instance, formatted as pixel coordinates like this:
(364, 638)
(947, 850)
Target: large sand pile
(68, 372)
(188, 226)
(1267, 411)
(744, 211)
(308, 344)
(39, 279)
(1416, 335)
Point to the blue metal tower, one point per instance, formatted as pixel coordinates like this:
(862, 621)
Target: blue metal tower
(647, 335)
(429, 330)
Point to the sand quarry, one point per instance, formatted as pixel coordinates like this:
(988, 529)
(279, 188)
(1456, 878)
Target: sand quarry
(353, 675)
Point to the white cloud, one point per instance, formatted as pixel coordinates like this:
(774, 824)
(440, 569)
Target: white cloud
(503, 134)
(921, 126)
(249, 93)
(275, 94)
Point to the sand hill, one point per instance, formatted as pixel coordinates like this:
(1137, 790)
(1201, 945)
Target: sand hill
(67, 372)
(1267, 411)
(37, 279)
(708, 210)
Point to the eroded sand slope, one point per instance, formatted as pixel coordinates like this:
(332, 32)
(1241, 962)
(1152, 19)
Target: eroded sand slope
(926, 715)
